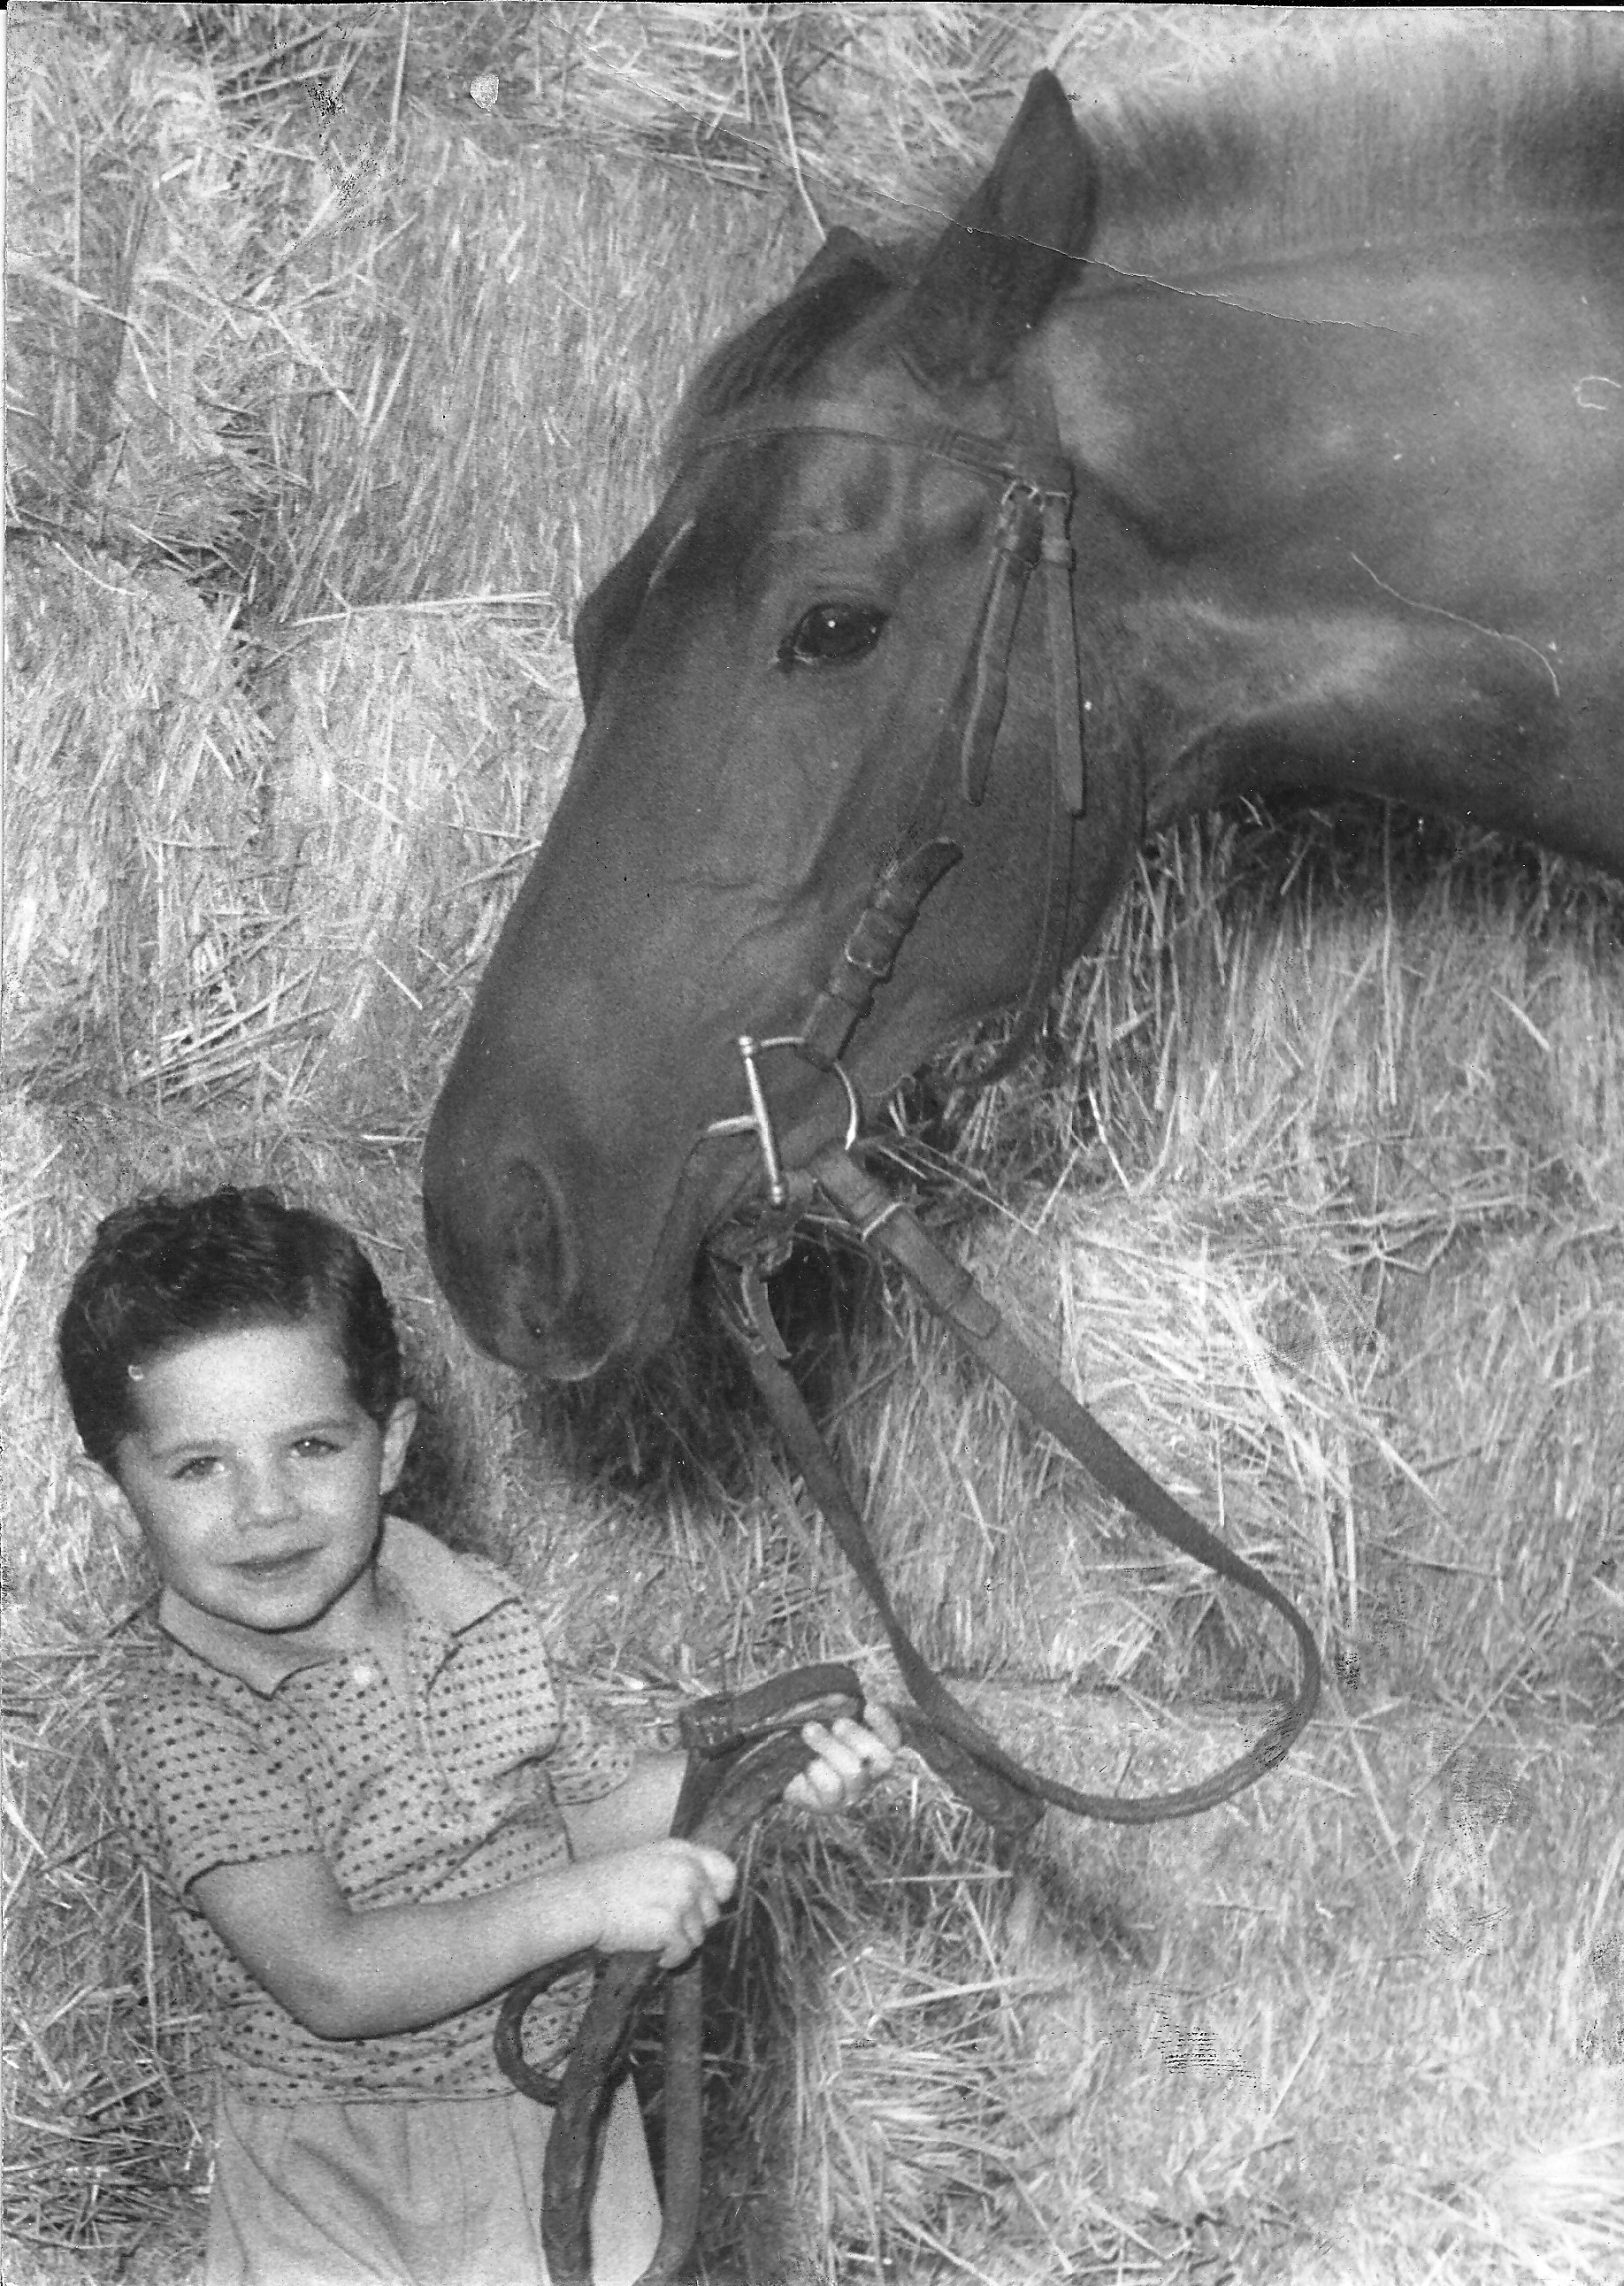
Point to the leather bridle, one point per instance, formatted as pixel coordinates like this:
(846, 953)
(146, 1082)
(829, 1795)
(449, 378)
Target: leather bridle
(1031, 536)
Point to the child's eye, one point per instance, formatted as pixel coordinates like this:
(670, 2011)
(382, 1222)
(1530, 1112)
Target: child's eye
(200, 1465)
(315, 1448)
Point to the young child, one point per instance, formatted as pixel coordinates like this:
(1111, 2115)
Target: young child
(347, 1761)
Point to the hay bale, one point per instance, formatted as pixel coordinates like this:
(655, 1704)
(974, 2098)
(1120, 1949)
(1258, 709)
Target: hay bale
(71, 214)
(421, 750)
(224, 889)
(861, 110)
(62, 1573)
(876, 2103)
(141, 947)
(510, 355)
(1426, 1035)
(1495, 1567)
(144, 360)
(107, 2081)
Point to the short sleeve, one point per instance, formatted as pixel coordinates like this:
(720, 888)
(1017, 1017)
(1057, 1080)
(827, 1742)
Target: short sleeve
(198, 1789)
(589, 1757)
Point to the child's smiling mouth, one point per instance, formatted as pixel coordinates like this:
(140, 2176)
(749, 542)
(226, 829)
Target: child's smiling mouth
(276, 1567)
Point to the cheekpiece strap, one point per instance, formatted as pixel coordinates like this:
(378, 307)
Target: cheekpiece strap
(1070, 754)
(978, 705)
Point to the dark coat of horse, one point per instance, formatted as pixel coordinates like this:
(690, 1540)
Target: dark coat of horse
(1338, 366)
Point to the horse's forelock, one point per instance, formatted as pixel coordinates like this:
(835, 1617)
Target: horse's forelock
(779, 350)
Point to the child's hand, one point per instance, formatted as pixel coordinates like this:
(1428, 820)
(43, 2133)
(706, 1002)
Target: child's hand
(659, 1897)
(849, 1759)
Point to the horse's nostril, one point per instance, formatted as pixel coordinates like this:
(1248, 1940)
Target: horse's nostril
(537, 1244)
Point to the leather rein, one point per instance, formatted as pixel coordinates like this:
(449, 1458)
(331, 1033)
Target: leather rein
(743, 1750)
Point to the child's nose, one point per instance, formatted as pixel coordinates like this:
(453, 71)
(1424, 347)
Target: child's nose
(268, 1493)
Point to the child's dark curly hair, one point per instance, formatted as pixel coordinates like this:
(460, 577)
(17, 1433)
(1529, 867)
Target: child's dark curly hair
(163, 1271)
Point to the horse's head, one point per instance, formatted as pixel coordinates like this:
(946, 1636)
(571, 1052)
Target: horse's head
(766, 676)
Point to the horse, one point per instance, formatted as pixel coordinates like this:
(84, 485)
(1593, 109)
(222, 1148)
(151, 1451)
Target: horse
(1298, 401)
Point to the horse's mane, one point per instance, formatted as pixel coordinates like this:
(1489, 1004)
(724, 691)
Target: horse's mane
(1384, 125)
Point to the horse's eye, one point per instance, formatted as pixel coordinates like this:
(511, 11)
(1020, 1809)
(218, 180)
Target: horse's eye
(831, 633)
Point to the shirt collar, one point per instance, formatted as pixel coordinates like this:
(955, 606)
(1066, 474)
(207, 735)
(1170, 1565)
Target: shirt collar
(416, 1572)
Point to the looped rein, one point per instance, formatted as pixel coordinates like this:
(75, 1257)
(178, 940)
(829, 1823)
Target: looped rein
(1002, 1789)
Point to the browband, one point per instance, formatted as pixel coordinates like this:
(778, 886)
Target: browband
(1016, 459)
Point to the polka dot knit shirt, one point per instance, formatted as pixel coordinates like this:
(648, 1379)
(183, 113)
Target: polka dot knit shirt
(230, 1753)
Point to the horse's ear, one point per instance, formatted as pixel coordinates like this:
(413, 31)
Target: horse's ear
(993, 272)
(843, 250)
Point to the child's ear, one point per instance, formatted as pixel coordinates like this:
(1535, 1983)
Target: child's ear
(397, 1436)
(107, 1494)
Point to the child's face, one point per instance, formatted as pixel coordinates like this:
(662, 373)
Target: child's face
(255, 1479)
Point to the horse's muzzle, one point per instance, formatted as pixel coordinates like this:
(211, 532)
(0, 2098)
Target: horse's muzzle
(502, 1252)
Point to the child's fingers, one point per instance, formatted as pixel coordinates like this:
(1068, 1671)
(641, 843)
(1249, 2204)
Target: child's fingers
(883, 1723)
(810, 1791)
(714, 1880)
(848, 1758)
(692, 1929)
(720, 1872)
(662, 1896)
(853, 1748)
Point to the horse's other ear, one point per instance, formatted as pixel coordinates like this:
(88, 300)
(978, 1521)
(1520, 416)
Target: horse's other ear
(842, 250)
(993, 272)
(606, 619)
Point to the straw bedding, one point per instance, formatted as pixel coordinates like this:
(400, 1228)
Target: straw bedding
(329, 390)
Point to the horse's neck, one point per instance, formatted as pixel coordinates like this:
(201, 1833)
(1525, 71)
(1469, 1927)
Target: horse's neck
(1359, 537)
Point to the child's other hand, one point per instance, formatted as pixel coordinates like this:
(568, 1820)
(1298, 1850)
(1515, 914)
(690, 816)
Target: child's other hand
(850, 1757)
(660, 1897)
